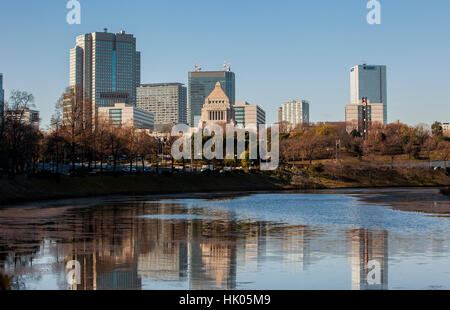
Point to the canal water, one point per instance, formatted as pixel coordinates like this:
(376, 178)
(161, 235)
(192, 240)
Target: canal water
(307, 240)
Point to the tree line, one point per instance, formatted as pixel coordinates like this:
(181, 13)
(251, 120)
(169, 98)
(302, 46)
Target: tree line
(332, 141)
(73, 139)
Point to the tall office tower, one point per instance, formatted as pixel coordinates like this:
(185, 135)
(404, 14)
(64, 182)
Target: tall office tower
(295, 112)
(167, 102)
(104, 70)
(202, 83)
(2, 98)
(369, 81)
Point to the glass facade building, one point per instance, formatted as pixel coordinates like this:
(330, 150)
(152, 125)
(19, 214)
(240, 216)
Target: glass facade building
(369, 81)
(166, 101)
(201, 84)
(239, 116)
(105, 69)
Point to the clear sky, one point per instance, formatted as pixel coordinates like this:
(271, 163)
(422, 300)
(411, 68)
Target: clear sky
(279, 50)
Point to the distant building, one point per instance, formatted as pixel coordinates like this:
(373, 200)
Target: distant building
(217, 107)
(295, 112)
(26, 116)
(446, 129)
(246, 114)
(105, 69)
(202, 83)
(166, 101)
(280, 115)
(127, 115)
(2, 98)
(369, 81)
(360, 116)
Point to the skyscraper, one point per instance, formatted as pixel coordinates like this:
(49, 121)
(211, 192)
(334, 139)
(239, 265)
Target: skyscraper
(2, 98)
(105, 70)
(369, 81)
(167, 102)
(202, 83)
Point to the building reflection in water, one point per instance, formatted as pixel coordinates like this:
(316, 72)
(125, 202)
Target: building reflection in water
(296, 247)
(119, 246)
(368, 256)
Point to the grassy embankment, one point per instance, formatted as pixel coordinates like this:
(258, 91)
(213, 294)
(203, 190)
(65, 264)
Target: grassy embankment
(319, 176)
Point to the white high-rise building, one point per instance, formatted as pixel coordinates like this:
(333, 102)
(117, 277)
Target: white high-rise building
(369, 81)
(295, 112)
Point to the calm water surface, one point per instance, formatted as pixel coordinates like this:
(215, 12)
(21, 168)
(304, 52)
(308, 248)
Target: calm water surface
(321, 240)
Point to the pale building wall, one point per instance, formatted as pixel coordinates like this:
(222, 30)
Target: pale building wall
(295, 112)
(352, 116)
(167, 102)
(446, 129)
(129, 116)
(253, 115)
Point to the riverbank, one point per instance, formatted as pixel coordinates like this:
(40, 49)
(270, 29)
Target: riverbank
(429, 201)
(24, 189)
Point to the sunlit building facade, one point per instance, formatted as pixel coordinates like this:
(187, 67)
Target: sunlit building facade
(369, 81)
(104, 70)
(446, 129)
(246, 114)
(295, 112)
(201, 84)
(166, 101)
(127, 115)
(360, 116)
(217, 108)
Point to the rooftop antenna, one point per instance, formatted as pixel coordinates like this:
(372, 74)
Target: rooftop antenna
(225, 65)
(197, 68)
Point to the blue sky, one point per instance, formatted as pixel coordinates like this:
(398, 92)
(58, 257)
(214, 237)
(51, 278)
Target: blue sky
(279, 50)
